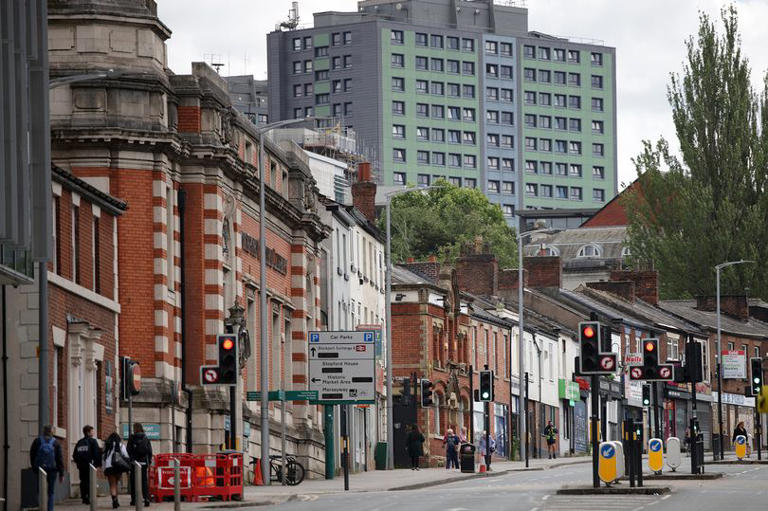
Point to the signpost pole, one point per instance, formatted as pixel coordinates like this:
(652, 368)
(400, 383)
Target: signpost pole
(593, 427)
(656, 410)
(345, 445)
(471, 438)
(525, 411)
(282, 438)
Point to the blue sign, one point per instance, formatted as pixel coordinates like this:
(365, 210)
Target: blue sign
(368, 337)
(314, 337)
(607, 451)
(740, 439)
(655, 445)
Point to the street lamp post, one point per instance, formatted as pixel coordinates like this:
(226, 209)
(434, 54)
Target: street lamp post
(720, 355)
(521, 416)
(263, 341)
(388, 300)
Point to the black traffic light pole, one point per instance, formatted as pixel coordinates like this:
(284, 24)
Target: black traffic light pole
(595, 392)
(656, 408)
(487, 424)
(471, 438)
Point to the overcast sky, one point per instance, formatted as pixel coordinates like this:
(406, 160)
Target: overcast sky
(648, 35)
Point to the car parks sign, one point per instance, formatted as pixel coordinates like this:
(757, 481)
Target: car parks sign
(342, 367)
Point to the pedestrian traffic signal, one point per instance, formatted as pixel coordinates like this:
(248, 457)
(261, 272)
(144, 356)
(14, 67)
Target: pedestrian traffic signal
(646, 395)
(426, 393)
(228, 364)
(589, 342)
(486, 385)
(756, 375)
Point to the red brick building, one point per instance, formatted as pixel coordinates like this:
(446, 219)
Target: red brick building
(173, 148)
(438, 333)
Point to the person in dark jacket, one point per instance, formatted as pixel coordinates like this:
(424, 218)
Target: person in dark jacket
(45, 453)
(414, 445)
(740, 430)
(451, 442)
(140, 449)
(86, 452)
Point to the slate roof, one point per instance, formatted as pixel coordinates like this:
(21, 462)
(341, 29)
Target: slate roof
(708, 319)
(644, 311)
(610, 240)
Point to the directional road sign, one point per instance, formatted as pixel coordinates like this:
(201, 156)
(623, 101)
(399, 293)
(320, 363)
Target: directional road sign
(608, 362)
(342, 367)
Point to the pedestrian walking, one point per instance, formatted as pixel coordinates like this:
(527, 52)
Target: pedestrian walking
(550, 433)
(87, 452)
(739, 430)
(414, 445)
(486, 453)
(140, 450)
(45, 453)
(115, 464)
(451, 444)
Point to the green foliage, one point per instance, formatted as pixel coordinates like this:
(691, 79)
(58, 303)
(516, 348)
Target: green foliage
(439, 221)
(709, 206)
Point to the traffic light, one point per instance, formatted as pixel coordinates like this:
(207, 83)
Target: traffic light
(693, 369)
(756, 375)
(650, 358)
(131, 382)
(228, 364)
(589, 342)
(426, 393)
(486, 385)
(646, 395)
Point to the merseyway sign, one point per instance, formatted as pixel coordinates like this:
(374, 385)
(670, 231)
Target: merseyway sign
(342, 367)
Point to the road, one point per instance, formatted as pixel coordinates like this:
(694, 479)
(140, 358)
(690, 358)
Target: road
(744, 488)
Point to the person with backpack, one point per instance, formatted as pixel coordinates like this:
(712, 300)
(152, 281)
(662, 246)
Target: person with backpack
(115, 464)
(550, 433)
(451, 443)
(87, 452)
(140, 449)
(45, 453)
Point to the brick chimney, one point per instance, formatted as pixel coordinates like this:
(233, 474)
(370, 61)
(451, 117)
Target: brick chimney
(544, 271)
(646, 283)
(622, 288)
(364, 192)
(734, 305)
(508, 280)
(429, 269)
(477, 269)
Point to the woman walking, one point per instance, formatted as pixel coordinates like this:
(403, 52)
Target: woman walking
(413, 443)
(115, 464)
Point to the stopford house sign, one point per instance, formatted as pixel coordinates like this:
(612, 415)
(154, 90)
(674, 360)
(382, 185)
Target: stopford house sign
(274, 260)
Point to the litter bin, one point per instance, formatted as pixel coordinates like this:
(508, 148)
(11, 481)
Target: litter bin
(467, 458)
(380, 456)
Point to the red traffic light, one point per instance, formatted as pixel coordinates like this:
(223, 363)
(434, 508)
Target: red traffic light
(650, 346)
(228, 344)
(588, 332)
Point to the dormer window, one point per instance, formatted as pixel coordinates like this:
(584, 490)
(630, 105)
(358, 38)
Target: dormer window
(589, 251)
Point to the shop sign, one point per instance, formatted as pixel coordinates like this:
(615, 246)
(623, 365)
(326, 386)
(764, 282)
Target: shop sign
(735, 399)
(568, 390)
(734, 364)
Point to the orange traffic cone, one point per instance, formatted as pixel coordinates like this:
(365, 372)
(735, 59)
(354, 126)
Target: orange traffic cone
(257, 479)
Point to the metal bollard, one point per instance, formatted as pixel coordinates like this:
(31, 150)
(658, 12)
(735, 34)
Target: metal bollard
(176, 485)
(138, 497)
(42, 487)
(92, 486)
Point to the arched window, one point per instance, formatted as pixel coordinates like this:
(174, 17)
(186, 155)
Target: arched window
(589, 251)
(546, 250)
(625, 251)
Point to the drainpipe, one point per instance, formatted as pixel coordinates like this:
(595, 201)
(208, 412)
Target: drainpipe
(181, 202)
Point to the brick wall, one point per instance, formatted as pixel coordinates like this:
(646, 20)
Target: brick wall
(733, 305)
(622, 288)
(428, 269)
(189, 119)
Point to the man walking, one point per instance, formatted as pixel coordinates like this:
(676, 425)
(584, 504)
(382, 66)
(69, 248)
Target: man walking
(45, 453)
(87, 452)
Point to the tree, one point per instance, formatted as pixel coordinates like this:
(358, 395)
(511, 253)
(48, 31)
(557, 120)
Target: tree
(709, 205)
(439, 221)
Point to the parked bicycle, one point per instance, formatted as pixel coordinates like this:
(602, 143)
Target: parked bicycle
(294, 471)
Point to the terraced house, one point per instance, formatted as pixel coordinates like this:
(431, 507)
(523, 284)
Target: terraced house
(461, 90)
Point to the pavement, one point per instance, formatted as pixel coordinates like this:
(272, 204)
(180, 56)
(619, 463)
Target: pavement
(371, 481)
